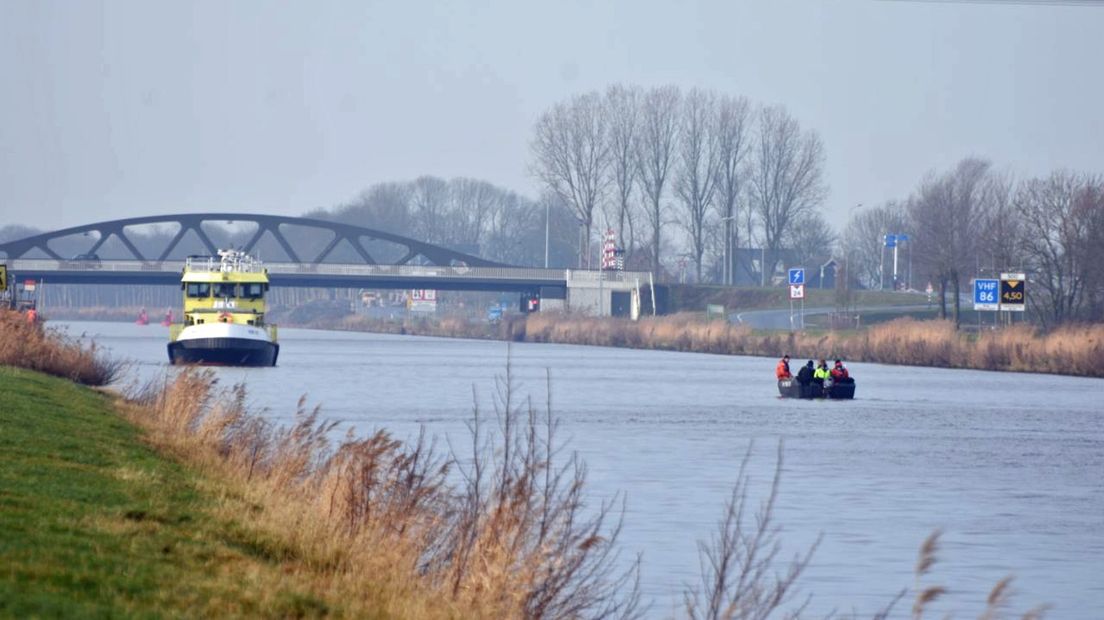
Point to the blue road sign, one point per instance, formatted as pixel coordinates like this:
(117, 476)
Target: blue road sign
(986, 294)
(891, 241)
(797, 275)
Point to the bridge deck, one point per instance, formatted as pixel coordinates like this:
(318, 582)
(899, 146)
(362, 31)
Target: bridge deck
(327, 275)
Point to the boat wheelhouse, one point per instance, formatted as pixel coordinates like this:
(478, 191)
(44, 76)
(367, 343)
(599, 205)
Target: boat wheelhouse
(224, 310)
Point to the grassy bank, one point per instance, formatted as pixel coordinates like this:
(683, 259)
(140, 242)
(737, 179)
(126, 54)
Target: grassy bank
(93, 523)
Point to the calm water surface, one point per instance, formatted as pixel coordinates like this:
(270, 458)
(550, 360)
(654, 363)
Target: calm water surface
(1010, 466)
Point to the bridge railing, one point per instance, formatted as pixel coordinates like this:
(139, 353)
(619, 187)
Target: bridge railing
(456, 272)
(129, 266)
(421, 271)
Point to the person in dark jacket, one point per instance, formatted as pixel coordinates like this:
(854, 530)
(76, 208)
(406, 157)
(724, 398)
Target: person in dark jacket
(805, 375)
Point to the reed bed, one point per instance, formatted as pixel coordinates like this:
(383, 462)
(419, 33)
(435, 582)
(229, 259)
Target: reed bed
(33, 346)
(499, 529)
(1070, 350)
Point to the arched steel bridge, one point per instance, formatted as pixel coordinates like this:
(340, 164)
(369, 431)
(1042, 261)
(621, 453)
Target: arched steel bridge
(270, 224)
(336, 255)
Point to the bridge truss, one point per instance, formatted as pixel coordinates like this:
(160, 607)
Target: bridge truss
(314, 244)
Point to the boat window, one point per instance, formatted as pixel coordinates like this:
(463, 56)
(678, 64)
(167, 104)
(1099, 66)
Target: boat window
(199, 289)
(224, 289)
(253, 290)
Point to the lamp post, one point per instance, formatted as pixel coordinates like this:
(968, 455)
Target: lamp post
(847, 254)
(726, 273)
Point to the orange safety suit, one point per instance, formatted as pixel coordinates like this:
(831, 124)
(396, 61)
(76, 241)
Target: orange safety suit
(782, 371)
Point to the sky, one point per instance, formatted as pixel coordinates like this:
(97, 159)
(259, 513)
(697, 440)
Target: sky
(130, 108)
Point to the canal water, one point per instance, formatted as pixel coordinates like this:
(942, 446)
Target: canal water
(1009, 466)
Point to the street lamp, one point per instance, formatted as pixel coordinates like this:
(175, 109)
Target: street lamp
(847, 254)
(547, 212)
(726, 273)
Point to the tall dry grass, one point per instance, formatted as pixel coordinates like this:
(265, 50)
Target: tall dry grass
(1070, 350)
(36, 347)
(498, 529)
(997, 603)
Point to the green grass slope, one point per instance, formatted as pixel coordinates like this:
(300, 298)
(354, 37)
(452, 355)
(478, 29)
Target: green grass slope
(94, 524)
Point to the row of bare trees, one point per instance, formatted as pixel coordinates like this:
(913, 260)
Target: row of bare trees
(973, 221)
(650, 160)
(469, 215)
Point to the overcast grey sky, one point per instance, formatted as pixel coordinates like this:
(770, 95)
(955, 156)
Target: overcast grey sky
(121, 109)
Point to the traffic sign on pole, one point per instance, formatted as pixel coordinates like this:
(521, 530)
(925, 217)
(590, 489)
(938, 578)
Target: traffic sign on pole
(797, 275)
(797, 291)
(985, 294)
(1013, 295)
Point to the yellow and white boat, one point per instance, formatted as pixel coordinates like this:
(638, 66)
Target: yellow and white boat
(224, 310)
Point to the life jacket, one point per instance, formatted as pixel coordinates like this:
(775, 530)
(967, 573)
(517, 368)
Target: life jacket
(821, 373)
(783, 370)
(839, 372)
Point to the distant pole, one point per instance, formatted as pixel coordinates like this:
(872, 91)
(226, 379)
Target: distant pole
(908, 278)
(895, 266)
(881, 268)
(726, 273)
(763, 266)
(547, 210)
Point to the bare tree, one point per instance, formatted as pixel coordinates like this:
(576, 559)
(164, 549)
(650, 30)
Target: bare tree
(863, 243)
(786, 176)
(947, 215)
(385, 206)
(1090, 211)
(622, 107)
(1057, 226)
(697, 170)
(430, 198)
(571, 153)
(658, 138)
(515, 231)
(1002, 242)
(732, 143)
(473, 202)
(811, 239)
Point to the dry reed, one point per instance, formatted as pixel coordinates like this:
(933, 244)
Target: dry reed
(501, 530)
(1070, 350)
(35, 347)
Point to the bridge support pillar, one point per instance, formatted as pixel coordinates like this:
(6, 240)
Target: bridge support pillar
(604, 293)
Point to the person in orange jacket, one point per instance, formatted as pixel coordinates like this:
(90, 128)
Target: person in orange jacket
(839, 373)
(782, 371)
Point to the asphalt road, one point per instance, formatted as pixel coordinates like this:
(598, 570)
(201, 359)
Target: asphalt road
(782, 319)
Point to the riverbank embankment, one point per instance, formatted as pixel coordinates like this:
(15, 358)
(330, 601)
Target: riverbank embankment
(1076, 350)
(95, 523)
(177, 500)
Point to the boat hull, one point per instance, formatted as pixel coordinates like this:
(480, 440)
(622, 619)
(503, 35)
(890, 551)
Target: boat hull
(224, 352)
(790, 388)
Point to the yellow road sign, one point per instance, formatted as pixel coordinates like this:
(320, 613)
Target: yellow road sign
(3, 277)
